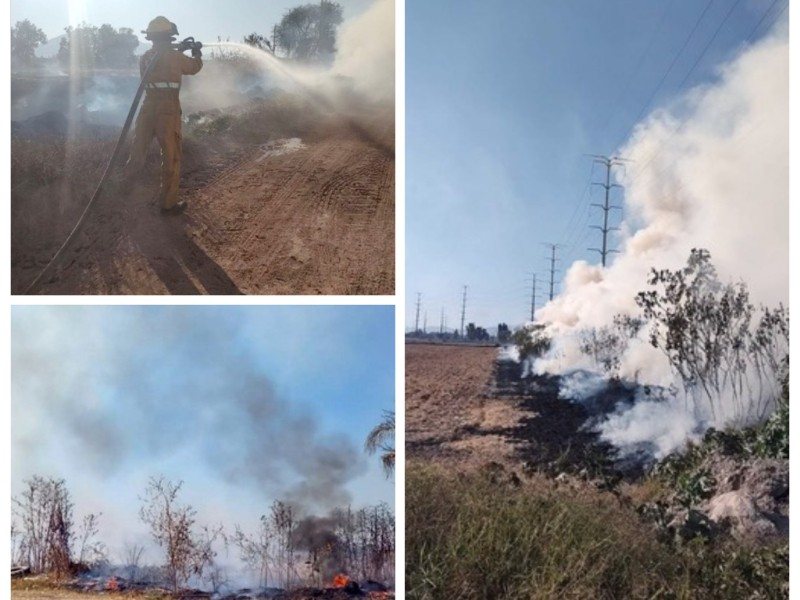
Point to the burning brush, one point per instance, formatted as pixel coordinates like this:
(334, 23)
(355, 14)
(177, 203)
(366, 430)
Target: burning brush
(370, 589)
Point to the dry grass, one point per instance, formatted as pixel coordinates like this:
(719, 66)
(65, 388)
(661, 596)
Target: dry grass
(478, 536)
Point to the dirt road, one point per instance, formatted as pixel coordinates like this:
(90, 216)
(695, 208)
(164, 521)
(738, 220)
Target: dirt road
(450, 417)
(315, 219)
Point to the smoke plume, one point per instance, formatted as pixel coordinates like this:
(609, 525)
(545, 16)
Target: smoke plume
(366, 51)
(709, 171)
(231, 417)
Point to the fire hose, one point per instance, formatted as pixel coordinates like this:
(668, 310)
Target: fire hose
(187, 44)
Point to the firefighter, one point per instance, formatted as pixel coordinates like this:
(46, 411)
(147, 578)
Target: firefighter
(160, 115)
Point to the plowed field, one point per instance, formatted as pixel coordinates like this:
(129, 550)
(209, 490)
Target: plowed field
(450, 416)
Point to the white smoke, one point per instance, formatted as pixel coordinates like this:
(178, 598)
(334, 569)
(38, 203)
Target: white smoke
(709, 171)
(366, 51)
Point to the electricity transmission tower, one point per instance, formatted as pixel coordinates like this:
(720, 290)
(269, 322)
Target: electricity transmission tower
(533, 298)
(608, 162)
(416, 321)
(463, 310)
(553, 270)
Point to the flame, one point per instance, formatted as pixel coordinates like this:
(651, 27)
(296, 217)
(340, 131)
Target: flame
(112, 585)
(339, 581)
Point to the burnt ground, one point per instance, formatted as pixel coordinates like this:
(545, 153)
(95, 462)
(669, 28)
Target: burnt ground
(467, 408)
(315, 220)
(56, 593)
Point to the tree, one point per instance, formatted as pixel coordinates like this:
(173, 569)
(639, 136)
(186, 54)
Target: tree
(256, 40)
(114, 48)
(257, 550)
(705, 329)
(25, 38)
(87, 46)
(503, 333)
(283, 523)
(76, 50)
(171, 526)
(532, 341)
(476, 333)
(90, 550)
(308, 33)
(381, 438)
(45, 512)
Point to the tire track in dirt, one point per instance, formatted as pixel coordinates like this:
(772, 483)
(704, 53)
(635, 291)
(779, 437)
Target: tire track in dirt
(319, 220)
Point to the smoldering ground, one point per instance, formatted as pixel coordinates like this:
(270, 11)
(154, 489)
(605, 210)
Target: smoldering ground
(709, 170)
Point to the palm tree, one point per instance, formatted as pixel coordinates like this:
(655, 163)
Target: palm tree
(381, 438)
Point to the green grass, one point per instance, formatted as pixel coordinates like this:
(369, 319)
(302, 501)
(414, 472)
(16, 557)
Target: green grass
(468, 537)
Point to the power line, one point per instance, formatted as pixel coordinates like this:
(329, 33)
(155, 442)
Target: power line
(686, 119)
(568, 228)
(708, 44)
(653, 35)
(764, 16)
(669, 69)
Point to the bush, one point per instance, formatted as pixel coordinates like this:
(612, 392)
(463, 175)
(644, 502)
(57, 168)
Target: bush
(532, 341)
(727, 354)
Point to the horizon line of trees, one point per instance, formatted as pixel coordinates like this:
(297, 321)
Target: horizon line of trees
(472, 333)
(306, 33)
(82, 47)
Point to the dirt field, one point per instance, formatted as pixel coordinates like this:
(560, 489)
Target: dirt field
(450, 417)
(315, 220)
(467, 408)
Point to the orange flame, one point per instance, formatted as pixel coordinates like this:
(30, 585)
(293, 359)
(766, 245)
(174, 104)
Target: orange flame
(339, 581)
(112, 585)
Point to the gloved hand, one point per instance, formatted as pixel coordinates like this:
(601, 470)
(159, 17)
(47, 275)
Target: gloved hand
(197, 53)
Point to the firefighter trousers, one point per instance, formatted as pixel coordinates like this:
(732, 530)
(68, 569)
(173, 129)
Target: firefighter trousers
(160, 119)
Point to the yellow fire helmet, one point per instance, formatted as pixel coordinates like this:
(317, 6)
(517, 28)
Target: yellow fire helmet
(160, 26)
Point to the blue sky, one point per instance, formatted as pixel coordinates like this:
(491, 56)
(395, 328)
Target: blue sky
(245, 404)
(503, 101)
(205, 20)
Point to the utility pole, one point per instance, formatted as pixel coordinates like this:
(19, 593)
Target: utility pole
(533, 298)
(416, 321)
(606, 206)
(463, 310)
(553, 270)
